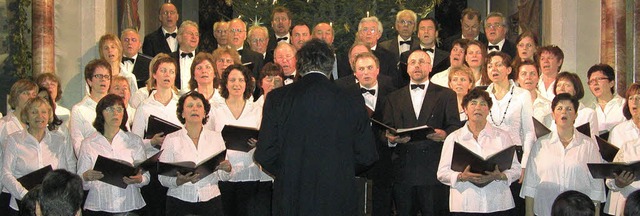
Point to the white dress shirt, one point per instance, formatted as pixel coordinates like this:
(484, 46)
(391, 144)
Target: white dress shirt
(370, 100)
(178, 147)
(465, 196)
(629, 152)
(517, 121)
(8, 124)
(173, 42)
(499, 44)
(623, 134)
(126, 147)
(611, 115)
(243, 166)
(81, 122)
(431, 54)
(288, 40)
(138, 97)
(24, 154)
(553, 169)
(585, 115)
(404, 47)
(63, 113)
(126, 71)
(546, 92)
(185, 71)
(153, 107)
(542, 110)
(288, 81)
(442, 78)
(417, 96)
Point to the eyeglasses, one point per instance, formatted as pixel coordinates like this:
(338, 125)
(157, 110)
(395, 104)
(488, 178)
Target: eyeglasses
(221, 31)
(102, 76)
(114, 109)
(597, 79)
(635, 98)
(169, 13)
(236, 30)
(368, 30)
(405, 22)
(494, 25)
(258, 40)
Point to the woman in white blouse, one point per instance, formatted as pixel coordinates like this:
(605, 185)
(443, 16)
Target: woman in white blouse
(33, 148)
(192, 194)
(162, 102)
(527, 77)
(271, 77)
(202, 77)
(248, 192)
(624, 134)
(567, 82)
(112, 140)
(485, 140)
(558, 162)
(461, 81)
(608, 104)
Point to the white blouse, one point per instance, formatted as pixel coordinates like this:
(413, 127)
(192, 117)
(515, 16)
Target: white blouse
(554, 169)
(442, 78)
(465, 196)
(585, 115)
(24, 154)
(542, 110)
(517, 121)
(178, 147)
(611, 115)
(244, 168)
(629, 152)
(548, 92)
(153, 107)
(138, 97)
(623, 134)
(125, 146)
(81, 121)
(8, 124)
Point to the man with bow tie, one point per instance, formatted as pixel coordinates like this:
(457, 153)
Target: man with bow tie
(470, 24)
(281, 24)
(496, 29)
(366, 69)
(164, 40)
(348, 80)
(369, 31)
(406, 26)
(415, 160)
(133, 61)
(427, 34)
(285, 56)
(188, 38)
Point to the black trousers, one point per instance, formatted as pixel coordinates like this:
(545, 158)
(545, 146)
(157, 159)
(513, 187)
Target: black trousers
(426, 199)
(155, 195)
(139, 212)
(252, 198)
(5, 198)
(500, 213)
(177, 207)
(519, 210)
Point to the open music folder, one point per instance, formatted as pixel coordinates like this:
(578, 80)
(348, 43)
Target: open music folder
(157, 125)
(236, 137)
(416, 133)
(34, 178)
(463, 157)
(204, 168)
(114, 170)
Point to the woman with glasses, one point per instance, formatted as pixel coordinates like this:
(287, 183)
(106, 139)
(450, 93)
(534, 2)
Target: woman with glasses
(526, 45)
(112, 140)
(608, 104)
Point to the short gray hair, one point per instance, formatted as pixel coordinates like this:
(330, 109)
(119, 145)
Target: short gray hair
(371, 19)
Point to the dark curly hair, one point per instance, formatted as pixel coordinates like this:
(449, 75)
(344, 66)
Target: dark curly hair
(248, 79)
(476, 93)
(108, 101)
(194, 95)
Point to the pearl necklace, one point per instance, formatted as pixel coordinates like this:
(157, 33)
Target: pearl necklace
(504, 116)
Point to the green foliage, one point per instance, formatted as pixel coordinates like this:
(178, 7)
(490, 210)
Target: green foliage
(343, 14)
(19, 40)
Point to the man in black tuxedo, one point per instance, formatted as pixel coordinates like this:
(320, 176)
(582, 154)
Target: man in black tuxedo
(314, 137)
(406, 26)
(285, 56)
(133, 61)
(281, 24)
(369, 32)
(220, 33)
(470, 29)
(188, 38)
(416, 159)
(427, 33)
(258, 37)
(496, 28)
(324, 32)
(375, 94)
(237, 37)
(164, 40)
(348, 80)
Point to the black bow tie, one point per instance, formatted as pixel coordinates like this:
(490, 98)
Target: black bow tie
(414, 86)
(371, 91)
(125, 59)
(494, 47)
(282, 39)
(408, 42)
(173, 35)
(428, 50)
(289, 77)
(182, 55)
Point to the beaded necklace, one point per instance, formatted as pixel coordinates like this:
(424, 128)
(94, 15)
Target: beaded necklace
(505, 110)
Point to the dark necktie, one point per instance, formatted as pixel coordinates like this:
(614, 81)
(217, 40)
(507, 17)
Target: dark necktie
(173, 35)
(405, 42)
(494, 48)
(182, 55)
(428, 50)
(371, 91)
(289, 77)
(282, 39)
(414, 86)
(125, 59)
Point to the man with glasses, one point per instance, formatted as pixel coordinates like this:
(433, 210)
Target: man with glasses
(237, 37)
(220, 32)
(496, 29)
(285, 56)
(406, 26)
(188, 38)
(470, 25)
(259, 39)
(164, 40)
(281, 24)
(369, 32)
(97, 75)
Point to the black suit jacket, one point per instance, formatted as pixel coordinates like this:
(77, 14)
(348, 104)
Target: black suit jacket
(447, 43)
(509, 48)
(417, 161)
(176, 55)
(440, 63)
(391, 45)
(155, 43)
(141, 70)
(249, 56)
(312, 137)
(388, 65)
